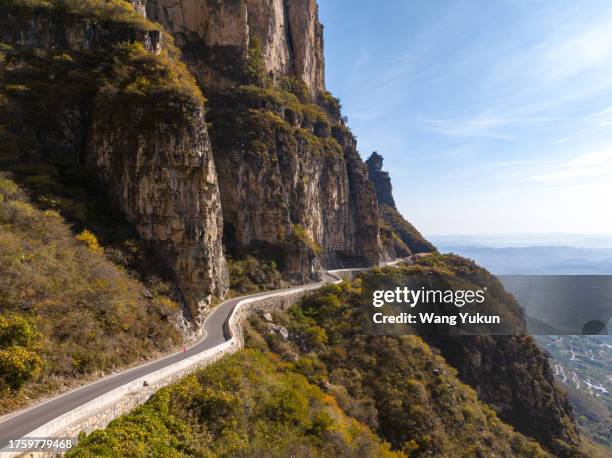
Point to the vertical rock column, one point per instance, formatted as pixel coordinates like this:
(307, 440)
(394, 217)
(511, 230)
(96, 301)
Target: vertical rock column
(162, 176)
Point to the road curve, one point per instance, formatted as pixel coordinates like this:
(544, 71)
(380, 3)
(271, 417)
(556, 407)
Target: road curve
(21, 423)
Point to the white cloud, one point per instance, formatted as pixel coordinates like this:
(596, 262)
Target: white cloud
(588, 165)
(578, 52)
(479, 126)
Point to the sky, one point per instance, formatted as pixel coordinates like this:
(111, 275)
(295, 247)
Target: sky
(492, 117)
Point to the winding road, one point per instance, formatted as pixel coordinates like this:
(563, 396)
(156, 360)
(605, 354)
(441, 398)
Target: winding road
(22, 423)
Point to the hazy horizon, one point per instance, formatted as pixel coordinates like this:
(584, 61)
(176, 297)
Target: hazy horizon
(492, 117)
(592, 241)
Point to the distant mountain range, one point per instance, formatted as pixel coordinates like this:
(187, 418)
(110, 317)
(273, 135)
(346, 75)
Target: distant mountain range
(539, 259)
(597, 241)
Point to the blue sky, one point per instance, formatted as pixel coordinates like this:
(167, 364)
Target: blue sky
(492, 116)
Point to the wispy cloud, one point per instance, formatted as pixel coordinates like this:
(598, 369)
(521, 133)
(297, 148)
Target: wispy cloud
(602, 118)
(480, 126)
(579, 51)
(588, 165)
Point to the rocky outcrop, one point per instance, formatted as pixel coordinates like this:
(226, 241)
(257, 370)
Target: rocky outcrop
(147, 142)
(215, 37)
(166, 186)
(139, 6)
(43, 29)
(380, 179)
(290, 190)
(399, 238)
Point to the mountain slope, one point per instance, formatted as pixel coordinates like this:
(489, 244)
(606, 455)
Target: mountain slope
(396, 385)
(245, 405)
(81, 313)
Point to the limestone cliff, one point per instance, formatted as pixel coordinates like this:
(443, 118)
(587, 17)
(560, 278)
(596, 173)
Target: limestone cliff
(166, 186)
(215, 37)
(293, 186)
(104, 92)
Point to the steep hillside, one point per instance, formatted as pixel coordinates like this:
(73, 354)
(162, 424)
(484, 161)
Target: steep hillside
(66, 311)
(399, 238)
(509, 373)
(305, 405)
(397, 386)
(247, 404)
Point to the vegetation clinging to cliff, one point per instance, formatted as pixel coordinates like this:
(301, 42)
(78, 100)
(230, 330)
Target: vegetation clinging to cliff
(252, 275)
(260, 118)
(120, 11)
(151, 78)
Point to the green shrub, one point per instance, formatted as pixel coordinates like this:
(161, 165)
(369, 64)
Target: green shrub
(16, 330)
(254, 69)
(397, 385)
(302, 235)
(18, 366)
(243, 405)
(19, 362)
(296, 87)
(251, 274)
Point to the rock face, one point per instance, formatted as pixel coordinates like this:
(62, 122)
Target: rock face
(153, 156)
(44, 30)
(293, 186)
(215, 37)
(302, 199)
(380, 179)
(167, 188)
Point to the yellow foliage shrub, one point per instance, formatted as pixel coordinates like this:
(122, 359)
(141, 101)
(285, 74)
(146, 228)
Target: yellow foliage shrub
(89, 239)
